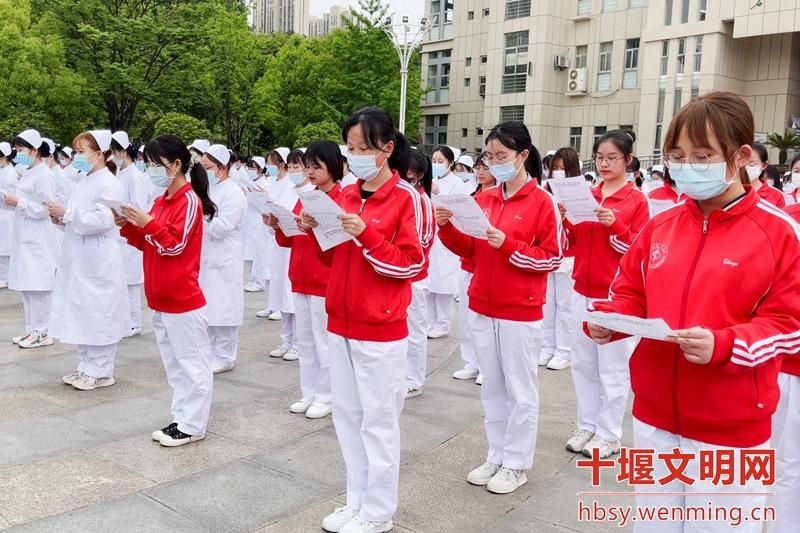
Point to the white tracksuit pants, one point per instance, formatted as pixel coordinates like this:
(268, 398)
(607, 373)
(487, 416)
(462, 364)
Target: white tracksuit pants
(224, 342)
(601, 377)
(786, 439)
(97, 361)
(312, 347)
(466, 342)
(646, 436)
(558, 323)
(4, 261)
(417, 359)
(289, 331)
(135, 304)
(37, 310)
(368, 388)
(440, 311)
(186, 352)
(508, 354)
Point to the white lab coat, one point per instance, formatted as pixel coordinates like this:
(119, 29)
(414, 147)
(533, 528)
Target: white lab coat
(254, 234)
(349, 179)
(33, 257)
(221, 266)
(8, 184)
(283, 193)
(137, 189)
(443, 272)
(90, 300)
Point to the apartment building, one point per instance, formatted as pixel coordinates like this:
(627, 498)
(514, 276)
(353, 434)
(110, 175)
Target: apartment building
(281, 16)
(325, 24)
(573, 69)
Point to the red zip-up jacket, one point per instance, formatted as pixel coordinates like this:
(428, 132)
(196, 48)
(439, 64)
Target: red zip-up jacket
(791, 365)
(598, 248)
(428, 231)
(772, 195)
(171, 244)
(665, 193)
(511, 282)
(370, 287)
(308, 274)
(734, 273)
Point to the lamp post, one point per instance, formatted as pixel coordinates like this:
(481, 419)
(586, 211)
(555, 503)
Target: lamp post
(406, 33)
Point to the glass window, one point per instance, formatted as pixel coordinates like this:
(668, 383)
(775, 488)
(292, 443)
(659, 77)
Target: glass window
(599, 131)
(681, 55)
(470, 15)
(483, 59)
(442, 13)
(438, 77)
(609, 5)
(695, 85)
(468, 62)
(584, 8)
(467, 81)
(482, 86)
(575, 135)
(636, 3)
(463, 132)
(657, 143)
(631, 64)
(485, 11)
(479, 131)
(698, 53)
(664, 57)
(668, 12)
(676, 105)
(517, 9)
(604, 67)
(435, 131)
(684, 11)
(703, 10)
(515, 66)
(512, 113)
(580, 56)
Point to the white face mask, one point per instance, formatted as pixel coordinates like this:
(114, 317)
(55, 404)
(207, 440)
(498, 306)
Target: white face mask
(559, 174)
(796, 178)
(364, 166)
(753, 172)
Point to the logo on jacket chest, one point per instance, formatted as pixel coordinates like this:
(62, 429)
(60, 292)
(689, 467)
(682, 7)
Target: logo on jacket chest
(658, 255)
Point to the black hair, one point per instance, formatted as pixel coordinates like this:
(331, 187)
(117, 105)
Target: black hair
(296, 157)
(515, 135)
(667, 178)
(589, 178)
(794, 162)
(378, 129)
(420, 164)
(480, 159)
(761, 150)
(251, 163)
(132, 150)
(43, 150)
(775, 176)
(636, 165)
(326, 153)
(171, 148)
(622, 139)
(447, 152)
(547, 160)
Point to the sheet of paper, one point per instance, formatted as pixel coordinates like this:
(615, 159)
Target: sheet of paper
(329, 232)
(258, 201)
(658, 206)
(650, 328)
(576, 195)
(114, 205)
(467, 214)
(287, 220)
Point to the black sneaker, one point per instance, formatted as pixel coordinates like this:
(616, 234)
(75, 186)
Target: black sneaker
(160, 433)
(175, 437)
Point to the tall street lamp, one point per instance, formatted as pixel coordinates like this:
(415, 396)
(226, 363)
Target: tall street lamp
(406, 33)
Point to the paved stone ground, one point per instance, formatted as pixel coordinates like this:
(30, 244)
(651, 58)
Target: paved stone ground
(84, 461)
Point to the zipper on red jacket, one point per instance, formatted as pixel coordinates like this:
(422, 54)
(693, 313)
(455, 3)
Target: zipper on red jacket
(684, 304)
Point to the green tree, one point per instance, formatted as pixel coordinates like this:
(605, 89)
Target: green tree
(788, 141)
(368, 14)
(36, 89)
(186, 127)
(319, 131)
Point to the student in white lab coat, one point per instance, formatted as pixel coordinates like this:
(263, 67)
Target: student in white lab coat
(8, 185)
(221, 266)
(284, 193)
(465, 169)
(348, 178)
(444, 268)
(65, 161)
(90, 300)
(137, 193)
(32, 268)
(197, 149)
(254, 238)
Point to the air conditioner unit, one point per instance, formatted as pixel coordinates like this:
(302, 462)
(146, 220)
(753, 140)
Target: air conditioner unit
(576, 81)
(561, 62)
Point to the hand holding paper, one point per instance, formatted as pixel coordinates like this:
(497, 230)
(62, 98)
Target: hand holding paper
(467, 214)
(114, 205)
(287, 220)
(576, 196)
(329, 231)
(650, 328)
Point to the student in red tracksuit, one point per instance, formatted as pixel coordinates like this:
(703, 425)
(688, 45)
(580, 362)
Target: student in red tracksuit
(757, 173)
(367, 317)
(506, 296)
(419, 173)
(171, 237)
(600, 373)
(309, 277)
(721, 270)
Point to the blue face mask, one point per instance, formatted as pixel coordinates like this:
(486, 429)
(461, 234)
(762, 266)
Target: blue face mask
(505, 171)
(252, 174)
(297, 177)
(24, 159)
(212, 178)
(701, 185)
(140, 166)
(438, 170)
(363, 166)
(272, 170)
(81, 163)
(158, 175)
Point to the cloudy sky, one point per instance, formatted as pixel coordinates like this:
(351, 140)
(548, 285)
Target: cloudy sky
(318, 7)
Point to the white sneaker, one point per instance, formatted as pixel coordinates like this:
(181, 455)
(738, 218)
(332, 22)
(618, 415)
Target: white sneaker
(300, 406)
(412, 393)
(20, 338)
(89, 383)
(219, 368)
(318, 410)
(506, 481)
(436, 334)
(253, 287)
(558, 363)
(279, 352)
(36, 340)
(359, 525)
(134, 332)
(479, 380)
(291, 355)
(275, 315)
(264, 313)
(579, 441)
(544, 358)
(72, 378)
(339, 518)
(481, 475)
(465, 373)
(606, 448)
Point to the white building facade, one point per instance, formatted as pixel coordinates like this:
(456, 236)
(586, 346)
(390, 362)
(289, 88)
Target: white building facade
(573, 69)
(281, 16)
(325, 24)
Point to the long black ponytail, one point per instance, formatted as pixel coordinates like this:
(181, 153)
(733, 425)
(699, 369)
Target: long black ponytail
(172, 148)
(515, 135)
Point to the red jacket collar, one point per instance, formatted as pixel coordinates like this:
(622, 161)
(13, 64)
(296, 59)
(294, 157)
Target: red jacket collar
(497, 191)
(729, 212)
(382, 191)
(621, 194)
(180, 192)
